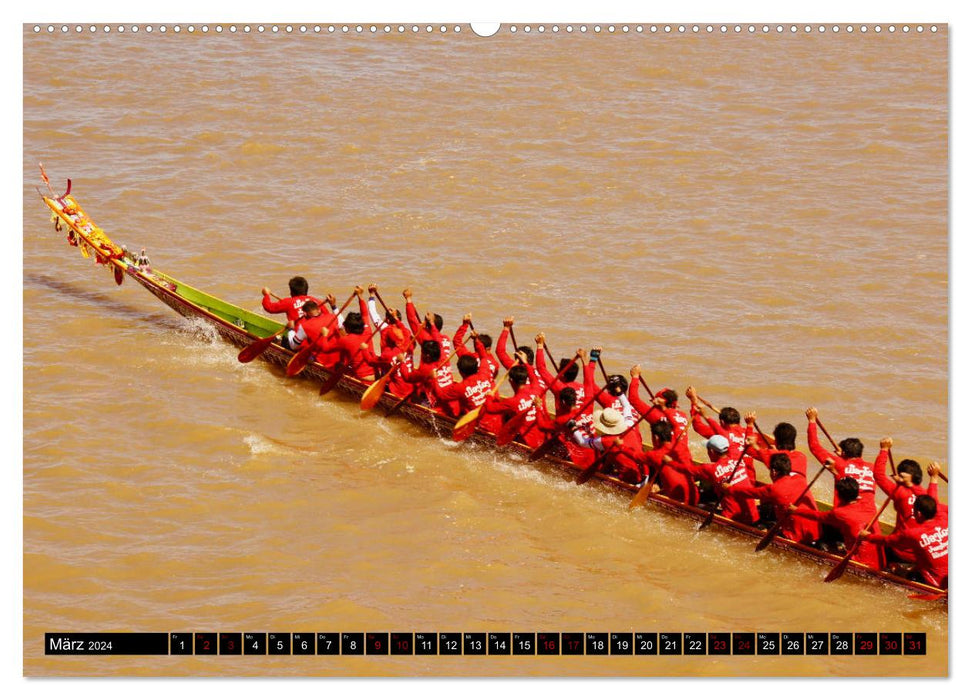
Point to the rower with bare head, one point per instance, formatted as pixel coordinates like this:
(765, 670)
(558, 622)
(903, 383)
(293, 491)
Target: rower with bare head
(520, 406)
(664, 407)
(482, 343)
(728, 425)
(847, 460)
(292, 306)
(430, 328)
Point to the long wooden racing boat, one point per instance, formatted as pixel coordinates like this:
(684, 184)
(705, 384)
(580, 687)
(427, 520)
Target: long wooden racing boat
(241, 327)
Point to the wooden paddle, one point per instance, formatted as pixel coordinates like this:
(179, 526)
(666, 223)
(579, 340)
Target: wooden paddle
(467, 424)
(374, 392)
(302, 358)
(840, 568)
(774, 530)
(826, 433)
(640, 498)
(711, 513)
(510, 429)
(646, 387)
(258, 347)
(585, 475)
(708, 404)
(765, 438)
(394, 409)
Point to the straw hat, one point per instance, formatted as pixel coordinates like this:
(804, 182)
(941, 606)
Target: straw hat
(609, 421)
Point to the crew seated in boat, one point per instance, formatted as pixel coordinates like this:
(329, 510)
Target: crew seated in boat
(422, 377)
(784, 442)
(483, 355)
(567, 419)
(468, 394)
(729, 425)
(664, 407)
(847, 461)
(850, 514)
(786, 488)
(350, 349)
(672, 482)
(292, 306)
(308, 329)
(724, 472)
(430, 329)
(567, 371)
(611, 435)
(925, 538)
(520, 407)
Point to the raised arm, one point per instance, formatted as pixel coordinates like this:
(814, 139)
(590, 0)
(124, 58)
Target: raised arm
(812, 436)
(504, 359)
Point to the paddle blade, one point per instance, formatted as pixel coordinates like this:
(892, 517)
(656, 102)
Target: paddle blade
(374, 392)
(510, 429)
(466, 425)
(707, 521)
(299, 361)
(591, 470)
(769, 536)
(543, 449)
(642, 494)
(119, 276)
(255, 349)
(839, 569)
(332, 380)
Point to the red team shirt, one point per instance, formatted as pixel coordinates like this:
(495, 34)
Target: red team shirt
(291, 306)
(856, 467)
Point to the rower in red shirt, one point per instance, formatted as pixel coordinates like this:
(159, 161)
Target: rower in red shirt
(849, 515)
(728, 425)
(505, 360)
(567, 377)
(673, 482)
(395, 341)
(497, 410)
(925, 539)
(430, 329)
(314, 324)
(568, 418)
(664, 407)
(903, 488)
(352, 344)
(848, 461)
(723, 471)
(784, 490)
(783, 442)
(458, 343)
(614, 392)
(468, 394)
(425, 375)
(292, 304)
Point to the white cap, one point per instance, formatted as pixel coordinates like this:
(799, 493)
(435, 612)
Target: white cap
(717, 443)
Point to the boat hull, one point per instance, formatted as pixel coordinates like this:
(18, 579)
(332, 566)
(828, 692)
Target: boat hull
(241, 327)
